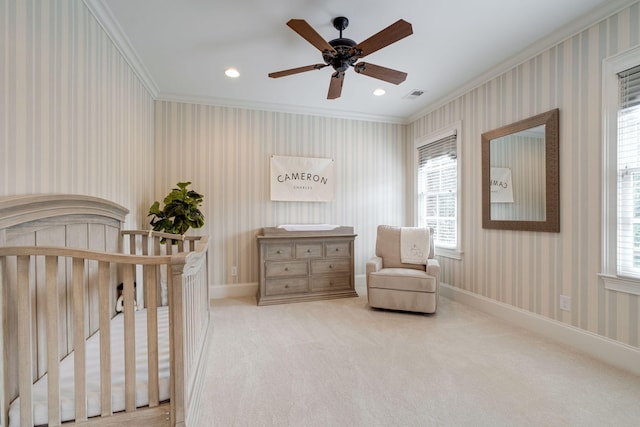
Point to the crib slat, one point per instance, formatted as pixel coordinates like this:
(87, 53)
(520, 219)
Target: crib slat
(145, 244)
(53, 319)
(24, 341)
(105, 338)
(132, 244)
(129, 339)
(79, 349)
(176, 340)
(150, 277)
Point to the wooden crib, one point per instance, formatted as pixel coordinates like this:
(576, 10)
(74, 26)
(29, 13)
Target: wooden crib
(62, 258)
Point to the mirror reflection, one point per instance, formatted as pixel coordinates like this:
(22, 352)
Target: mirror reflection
(520, 175)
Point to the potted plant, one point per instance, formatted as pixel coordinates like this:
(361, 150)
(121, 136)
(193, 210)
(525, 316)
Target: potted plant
(181, 211)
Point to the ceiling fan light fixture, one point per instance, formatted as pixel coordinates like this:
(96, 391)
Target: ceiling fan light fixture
(379, 92)
(232, 72)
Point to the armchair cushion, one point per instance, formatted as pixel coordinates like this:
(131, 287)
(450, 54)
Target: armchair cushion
(402, 279)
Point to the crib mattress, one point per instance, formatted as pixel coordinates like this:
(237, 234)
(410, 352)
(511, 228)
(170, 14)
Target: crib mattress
(67, 403)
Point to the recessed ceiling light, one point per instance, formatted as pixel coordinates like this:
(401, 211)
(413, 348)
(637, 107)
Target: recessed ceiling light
(232, 72)
(379, 92)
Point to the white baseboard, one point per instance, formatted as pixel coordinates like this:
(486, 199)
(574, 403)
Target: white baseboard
(602, 348)
(237, 290)
(233, 290)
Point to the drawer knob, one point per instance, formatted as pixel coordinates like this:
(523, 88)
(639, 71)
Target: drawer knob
(308, 251)
(286, 269)
(337, 250)
(279, 251)
(330, 266)
(286, 286)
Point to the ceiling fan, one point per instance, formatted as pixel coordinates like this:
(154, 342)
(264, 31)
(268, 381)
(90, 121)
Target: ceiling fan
(342, 53)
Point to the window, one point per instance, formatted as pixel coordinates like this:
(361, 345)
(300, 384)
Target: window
(628, 193)
(437, 178)
(621, 173)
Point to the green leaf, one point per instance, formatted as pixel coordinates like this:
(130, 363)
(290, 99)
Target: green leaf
(184, 185)
(180, 211)
(155, 209)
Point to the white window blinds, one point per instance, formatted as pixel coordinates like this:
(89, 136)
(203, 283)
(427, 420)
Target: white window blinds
(437, 189)
(628, 191)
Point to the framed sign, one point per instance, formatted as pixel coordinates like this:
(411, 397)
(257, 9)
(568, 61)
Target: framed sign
(307, 179)
(501, 188)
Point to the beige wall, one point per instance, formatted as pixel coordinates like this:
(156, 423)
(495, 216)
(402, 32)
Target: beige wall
(75, 118)
(530, 270)
(225, 152)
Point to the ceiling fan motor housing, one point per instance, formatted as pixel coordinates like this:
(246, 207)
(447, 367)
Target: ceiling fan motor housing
(344, 56)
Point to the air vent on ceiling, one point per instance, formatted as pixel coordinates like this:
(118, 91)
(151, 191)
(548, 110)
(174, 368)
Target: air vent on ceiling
(414, 94)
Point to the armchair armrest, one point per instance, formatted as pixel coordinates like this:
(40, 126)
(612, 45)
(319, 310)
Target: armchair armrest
(433, 267)
(374, 264)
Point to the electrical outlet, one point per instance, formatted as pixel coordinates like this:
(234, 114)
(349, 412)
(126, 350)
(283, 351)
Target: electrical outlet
(234, 271)
(565, 303)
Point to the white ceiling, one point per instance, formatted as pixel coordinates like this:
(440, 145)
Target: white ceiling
(181, 48)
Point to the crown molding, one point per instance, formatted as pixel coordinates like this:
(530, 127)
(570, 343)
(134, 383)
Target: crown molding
(606, 10)
(103, 14)
(280, 108)
(112, 28)
(106, 19)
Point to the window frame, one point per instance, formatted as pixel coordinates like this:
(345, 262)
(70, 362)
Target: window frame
(610, 106)
(451, 129)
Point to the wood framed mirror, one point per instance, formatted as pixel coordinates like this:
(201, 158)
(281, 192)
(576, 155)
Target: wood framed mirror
(521, 175)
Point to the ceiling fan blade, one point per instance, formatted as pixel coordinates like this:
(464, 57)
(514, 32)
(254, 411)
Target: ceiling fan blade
(290, 71)
(307, 32)
(394, 32)
(382, 73)
(335, 85)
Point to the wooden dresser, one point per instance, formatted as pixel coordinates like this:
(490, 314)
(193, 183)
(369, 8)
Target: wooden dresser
(305, 265)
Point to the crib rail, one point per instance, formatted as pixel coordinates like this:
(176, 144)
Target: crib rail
(149, 242)
(190, 316)
(190, 301)
(188, 320)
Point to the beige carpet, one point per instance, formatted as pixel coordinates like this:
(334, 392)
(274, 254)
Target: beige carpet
(340, 363)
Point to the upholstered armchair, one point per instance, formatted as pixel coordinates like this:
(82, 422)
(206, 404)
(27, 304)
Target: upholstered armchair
(397, 285)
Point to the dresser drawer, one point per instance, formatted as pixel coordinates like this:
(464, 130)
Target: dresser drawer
(286, 268)
(321, 266)
(308, 250)
(286, 286)
(330, 282)
(278, 251)
(335, 249)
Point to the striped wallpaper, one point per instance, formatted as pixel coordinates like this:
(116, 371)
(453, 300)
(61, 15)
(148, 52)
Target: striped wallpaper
(74, 118)
(226, 153)
(530, 270)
